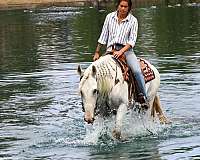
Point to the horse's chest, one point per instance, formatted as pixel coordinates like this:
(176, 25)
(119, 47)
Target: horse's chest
(106, 108)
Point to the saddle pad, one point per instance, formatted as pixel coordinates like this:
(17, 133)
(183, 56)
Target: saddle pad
(146, 70)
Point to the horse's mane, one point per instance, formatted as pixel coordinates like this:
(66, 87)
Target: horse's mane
(106, 69)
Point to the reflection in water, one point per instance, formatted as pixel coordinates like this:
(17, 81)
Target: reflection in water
(40, 109)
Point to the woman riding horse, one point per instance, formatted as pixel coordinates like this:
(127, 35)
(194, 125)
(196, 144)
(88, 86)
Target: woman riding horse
(119, 33)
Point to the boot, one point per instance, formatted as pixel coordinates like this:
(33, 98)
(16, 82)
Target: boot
(143, 101)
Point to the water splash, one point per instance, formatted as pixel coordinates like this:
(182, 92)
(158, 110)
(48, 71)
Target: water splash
(134, 125)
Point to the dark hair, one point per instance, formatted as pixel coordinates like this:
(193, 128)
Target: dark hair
(129, 4)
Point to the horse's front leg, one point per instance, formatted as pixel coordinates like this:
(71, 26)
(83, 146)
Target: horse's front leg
(119, 118)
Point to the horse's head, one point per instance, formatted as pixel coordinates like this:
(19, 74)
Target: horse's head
(88, 90)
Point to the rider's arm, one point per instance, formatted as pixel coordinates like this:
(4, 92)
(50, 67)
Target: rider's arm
(102, 39)
(119, 53)
(97, 52)
(126, 48)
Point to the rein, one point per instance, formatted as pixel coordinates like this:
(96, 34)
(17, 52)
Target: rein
(116, 80)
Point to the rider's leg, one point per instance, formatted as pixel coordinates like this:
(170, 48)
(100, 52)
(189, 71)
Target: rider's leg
(135, 68)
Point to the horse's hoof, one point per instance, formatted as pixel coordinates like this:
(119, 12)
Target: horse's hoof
(164, 120)
(116, 134)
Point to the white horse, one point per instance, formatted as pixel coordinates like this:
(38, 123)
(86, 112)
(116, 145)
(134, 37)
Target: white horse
(104, 91)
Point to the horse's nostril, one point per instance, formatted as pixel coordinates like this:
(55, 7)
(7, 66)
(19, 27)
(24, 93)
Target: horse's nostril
(86, 120)
(89, 121)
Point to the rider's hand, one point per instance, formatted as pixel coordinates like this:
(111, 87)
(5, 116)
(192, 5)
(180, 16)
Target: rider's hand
(96, 56)
(118, 54)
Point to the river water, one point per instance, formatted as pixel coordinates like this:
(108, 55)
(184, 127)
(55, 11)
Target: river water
(40, 108)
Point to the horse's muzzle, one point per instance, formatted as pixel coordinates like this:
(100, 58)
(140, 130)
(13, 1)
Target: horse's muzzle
(89, 120)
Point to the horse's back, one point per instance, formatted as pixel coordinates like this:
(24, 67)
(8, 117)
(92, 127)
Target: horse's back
(153, 85)
(109, 63)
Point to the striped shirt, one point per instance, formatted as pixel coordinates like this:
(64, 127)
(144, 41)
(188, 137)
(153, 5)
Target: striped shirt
(122, 33)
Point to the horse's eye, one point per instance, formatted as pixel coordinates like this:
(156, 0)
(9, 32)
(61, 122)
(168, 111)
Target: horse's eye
(95, 91)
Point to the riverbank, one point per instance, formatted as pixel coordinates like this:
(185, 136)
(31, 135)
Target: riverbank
(24, 4)
(27, 4)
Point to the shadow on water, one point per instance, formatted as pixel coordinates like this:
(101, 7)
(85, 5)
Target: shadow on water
(40, 109)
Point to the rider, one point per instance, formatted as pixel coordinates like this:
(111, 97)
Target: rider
(119, 32)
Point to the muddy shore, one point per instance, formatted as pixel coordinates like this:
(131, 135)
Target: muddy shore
(27, 4)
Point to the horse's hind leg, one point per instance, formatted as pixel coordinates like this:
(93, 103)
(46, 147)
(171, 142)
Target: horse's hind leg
(157, 110)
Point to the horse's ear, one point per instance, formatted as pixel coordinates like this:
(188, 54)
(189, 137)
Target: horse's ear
(94, 71)
(79, 70)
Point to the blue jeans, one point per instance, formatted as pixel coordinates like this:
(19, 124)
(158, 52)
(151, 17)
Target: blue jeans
(136, 70)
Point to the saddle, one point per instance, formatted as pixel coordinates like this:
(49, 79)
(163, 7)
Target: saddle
(148, 74)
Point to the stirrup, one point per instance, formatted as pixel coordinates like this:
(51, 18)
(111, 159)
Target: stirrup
(143, 101)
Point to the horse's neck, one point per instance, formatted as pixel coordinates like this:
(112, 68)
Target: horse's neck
(105, 70)
(107, 73)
